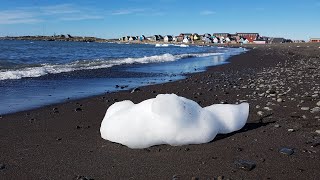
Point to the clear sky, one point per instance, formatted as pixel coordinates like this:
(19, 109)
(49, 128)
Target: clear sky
(296, 19)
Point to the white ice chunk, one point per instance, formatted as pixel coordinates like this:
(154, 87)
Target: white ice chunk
(170, 119)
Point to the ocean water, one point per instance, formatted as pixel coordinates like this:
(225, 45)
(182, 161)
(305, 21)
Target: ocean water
(34, 74)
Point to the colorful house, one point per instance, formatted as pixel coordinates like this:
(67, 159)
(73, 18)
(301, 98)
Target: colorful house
(314, 40)
(249, 36)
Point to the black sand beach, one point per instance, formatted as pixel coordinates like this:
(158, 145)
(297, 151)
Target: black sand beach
(280, 141)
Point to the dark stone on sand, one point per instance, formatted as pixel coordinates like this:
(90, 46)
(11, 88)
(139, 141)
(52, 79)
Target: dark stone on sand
(2, 166)
(175, 177)
(220, 178)
(59, 139)
(78, 109)
(239, 149)
(78, 127)
(187, 149)
(135, 90)
(194, 178)
(117, 86)
(245, 165)
(83, 178)
(286, 151)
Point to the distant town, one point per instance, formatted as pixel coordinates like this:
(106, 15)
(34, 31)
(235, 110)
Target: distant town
(186, 38)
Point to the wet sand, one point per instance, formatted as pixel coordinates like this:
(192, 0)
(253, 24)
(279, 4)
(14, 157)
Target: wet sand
(280, 141)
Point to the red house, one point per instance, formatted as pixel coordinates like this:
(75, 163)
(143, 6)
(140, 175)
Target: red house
(249, 36)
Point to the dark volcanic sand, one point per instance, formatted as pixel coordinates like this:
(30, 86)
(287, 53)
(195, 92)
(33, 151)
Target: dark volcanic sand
(279, 82)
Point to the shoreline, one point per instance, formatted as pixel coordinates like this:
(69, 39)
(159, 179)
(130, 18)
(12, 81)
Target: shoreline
(63, 140)
(113, 86)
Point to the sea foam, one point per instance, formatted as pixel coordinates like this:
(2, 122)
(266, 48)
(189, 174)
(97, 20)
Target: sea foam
(170, 119)
(45, 69)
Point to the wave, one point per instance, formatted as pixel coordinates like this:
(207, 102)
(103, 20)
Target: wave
(44, 69)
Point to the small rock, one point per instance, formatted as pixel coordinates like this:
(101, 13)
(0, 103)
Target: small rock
(279, 100)
(194, 178)
(305, 108)
(277, 126)
(83, 178)
(291, 130)
(245, 165)
(318, 131)
(318, 103)
(135, 90)
(315, 110)
(267, 108)
(2, 166)
(78, 109)
(175, 177)
(260, 113)
(286, 151)
(220, 178)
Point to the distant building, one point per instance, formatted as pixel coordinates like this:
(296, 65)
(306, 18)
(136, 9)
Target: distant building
(222, 35)
(142, 38)
(250, 37)
(132, 38)
(185, 40)
(277, 40)
(196, 37)
(314, 40)
(168, 38)
(154, 38)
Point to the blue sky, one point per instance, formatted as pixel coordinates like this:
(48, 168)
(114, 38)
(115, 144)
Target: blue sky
(297, 19)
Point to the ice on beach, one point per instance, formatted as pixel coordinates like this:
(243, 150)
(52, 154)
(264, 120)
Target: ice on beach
(170, 119)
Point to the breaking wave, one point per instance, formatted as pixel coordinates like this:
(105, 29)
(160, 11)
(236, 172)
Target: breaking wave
(44, 69)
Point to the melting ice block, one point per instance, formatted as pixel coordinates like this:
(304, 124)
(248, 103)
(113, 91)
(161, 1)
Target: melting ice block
(170, 119)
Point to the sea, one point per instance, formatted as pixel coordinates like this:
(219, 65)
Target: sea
(38, 73)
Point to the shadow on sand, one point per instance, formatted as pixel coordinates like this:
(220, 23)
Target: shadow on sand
(247, 127)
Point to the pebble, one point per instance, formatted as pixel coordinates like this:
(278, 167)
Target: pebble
(245, 165)
(2, 166)
(277, 126)
(267, 108)
(286, 151)
(220, 178)
(83, 178)
(305, 108)
(318, 131)
(291, 130)
(279, 100)
(260, 113)
(175, 177)
(318, 103)
(315, 110)
(135, 90)
(78, 109)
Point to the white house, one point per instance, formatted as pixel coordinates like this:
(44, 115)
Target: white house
(185, 40)
(215, 40)
(168, 38)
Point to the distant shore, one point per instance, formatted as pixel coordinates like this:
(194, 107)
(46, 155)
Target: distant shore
(56, 38)
(281, 140)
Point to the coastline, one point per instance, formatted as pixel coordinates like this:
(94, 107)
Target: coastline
(63, 140)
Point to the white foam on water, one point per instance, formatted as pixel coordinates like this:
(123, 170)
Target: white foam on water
(170, 119)
(45, 69)
(162, 45)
